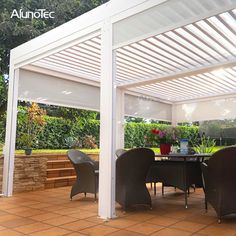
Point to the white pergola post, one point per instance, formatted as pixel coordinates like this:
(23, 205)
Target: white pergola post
(106, 204)
(10, 138)
(120, 115)
(174, 116)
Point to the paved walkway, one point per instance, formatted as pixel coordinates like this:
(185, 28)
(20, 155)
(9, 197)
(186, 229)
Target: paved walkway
(50, 212)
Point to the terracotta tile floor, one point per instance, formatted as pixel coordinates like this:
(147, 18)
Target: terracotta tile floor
(50, 212)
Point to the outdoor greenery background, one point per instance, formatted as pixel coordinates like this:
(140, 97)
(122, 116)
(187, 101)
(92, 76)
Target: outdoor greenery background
(64, 122)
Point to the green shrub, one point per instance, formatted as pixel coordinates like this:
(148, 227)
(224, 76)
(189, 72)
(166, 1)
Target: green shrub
(89, 142)
(136, 133)
(2, 127)
(55, 133)
(204, 145)
(57, 130)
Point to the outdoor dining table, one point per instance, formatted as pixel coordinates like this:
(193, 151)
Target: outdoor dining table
(181, 161)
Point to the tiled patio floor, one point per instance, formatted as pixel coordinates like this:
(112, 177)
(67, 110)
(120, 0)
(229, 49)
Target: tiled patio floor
(50, 212)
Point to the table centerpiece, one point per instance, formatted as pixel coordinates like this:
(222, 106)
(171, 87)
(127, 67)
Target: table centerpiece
(165, 138)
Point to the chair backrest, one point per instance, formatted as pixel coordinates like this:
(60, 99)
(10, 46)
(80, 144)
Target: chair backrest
(222, 165)
(83, 164)
(219, 176)
(133, 165)
(77, 156)
(120, 151)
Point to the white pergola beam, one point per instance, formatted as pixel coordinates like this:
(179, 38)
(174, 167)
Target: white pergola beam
(120, 116)
(141, 93)
(10, 138)
(176, 75)
(106, 204)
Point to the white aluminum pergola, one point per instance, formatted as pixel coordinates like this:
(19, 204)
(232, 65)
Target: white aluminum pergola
(172, 60)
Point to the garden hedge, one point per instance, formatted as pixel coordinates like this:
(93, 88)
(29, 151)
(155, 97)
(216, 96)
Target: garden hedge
(135, 133)
(57, 130)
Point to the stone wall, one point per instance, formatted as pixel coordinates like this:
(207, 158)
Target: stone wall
(30, 173)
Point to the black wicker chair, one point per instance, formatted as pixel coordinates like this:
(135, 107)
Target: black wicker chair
(86, 171)
(151, 175)
(131, 170)
(219, 179)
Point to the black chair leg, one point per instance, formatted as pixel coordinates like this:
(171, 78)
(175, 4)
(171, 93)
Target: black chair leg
(85, 194)
(162, 189)
(155, 188)
(151, 185)
(206, 206)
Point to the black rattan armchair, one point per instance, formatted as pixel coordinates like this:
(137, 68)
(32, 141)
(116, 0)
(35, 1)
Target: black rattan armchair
(86, 171)
(131, 171)
(151, 175)
(219, 178)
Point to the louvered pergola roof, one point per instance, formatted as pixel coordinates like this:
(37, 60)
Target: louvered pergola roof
(194, 61)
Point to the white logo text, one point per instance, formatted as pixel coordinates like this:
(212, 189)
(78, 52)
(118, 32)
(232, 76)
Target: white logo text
(38, 13)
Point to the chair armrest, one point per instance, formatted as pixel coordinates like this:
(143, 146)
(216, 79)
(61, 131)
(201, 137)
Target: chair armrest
(204, 165)
(96, 165)
(204, 168)
(90, 168)
(205, 176)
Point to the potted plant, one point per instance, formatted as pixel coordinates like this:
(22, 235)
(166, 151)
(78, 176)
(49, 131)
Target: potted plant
(26, 142)
(164, 138)
(204, 145)
(34, 122)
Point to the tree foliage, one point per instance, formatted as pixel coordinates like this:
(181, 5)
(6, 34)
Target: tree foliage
(70, 113)
(33, 122)
(3, 95)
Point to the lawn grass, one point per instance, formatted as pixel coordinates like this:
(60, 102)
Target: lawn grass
(54, 151)
(90, 151)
